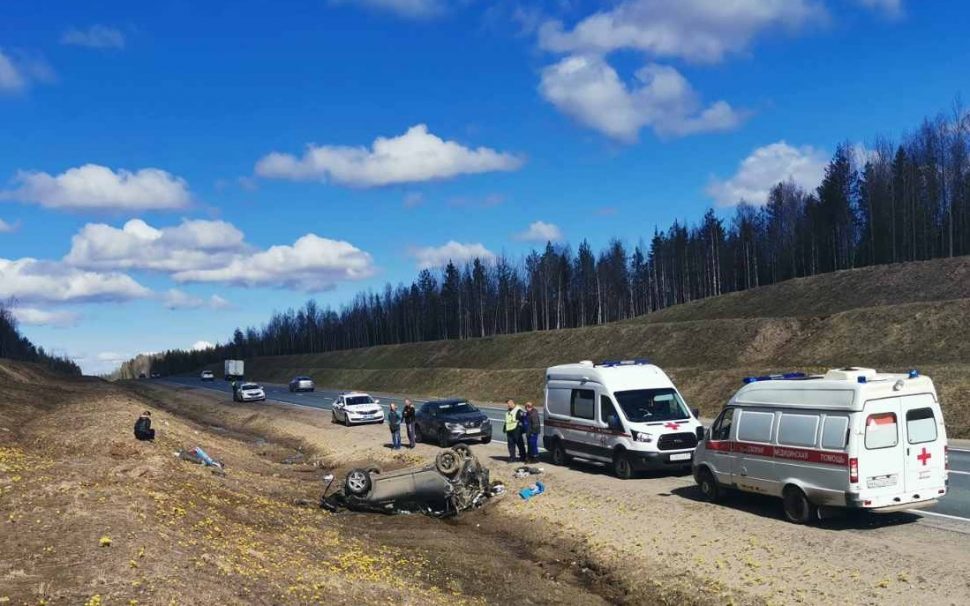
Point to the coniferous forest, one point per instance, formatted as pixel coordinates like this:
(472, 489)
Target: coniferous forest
(15, 346)
(894, 202)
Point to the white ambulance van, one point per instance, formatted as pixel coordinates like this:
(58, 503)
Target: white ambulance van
(851, 438)
(627, 414)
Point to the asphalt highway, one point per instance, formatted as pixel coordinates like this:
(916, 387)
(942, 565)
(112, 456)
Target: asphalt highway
(955, 505)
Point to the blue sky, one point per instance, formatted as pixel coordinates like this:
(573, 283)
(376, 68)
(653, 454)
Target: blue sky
(170, 173)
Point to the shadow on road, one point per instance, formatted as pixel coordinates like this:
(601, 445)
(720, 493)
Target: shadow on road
(770, 507)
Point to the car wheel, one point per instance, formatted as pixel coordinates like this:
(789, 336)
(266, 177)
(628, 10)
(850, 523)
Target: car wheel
(621, 466)
(333, 417)
(462, 449)
(448, 462)
(559, 456)
(486, 439)
(358, 482)
(708, 485)
(798, 509)
(374, 469)
(418, 436)
(346, 420)
(442, 438)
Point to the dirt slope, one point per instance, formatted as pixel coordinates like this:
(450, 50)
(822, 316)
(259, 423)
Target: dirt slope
(891, 317)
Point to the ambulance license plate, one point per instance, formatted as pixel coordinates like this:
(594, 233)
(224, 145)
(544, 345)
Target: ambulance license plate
(881, 481)
(680, 456)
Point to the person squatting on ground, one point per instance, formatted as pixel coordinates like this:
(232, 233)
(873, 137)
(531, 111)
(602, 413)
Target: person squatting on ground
(409, 421)
(513, 428)
(394, 424)
(143, 427)
(532, 429)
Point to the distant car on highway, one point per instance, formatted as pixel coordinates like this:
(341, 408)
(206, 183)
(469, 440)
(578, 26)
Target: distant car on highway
(450, 421)
(355, 408)
(249, 392)
(207, 375)
(301, 384)
(155, 375)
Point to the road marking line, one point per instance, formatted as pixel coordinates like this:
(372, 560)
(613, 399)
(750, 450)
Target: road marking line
(960, 450)
(962, 473)
(922, 512)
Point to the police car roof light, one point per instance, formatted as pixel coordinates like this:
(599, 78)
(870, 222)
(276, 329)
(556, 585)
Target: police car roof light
(635, 362)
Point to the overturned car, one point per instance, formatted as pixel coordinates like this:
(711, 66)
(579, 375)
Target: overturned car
(456, 482)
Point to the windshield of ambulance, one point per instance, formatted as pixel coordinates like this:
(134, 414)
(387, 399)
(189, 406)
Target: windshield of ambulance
(650, 405)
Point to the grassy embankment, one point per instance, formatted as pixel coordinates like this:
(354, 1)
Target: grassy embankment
(891, 317)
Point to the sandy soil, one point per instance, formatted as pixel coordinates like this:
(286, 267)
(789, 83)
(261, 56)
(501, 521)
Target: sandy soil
(656, 536)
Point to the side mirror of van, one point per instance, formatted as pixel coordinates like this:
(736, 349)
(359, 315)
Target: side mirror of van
(696, 412)
(700, 433)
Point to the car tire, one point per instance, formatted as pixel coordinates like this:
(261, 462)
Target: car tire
(418, 436)
(373, 469)
(443, 439)
(622, 467)
(798, 509)
(486, 439)
(559, 456)
(333, 417)
(346, 420)
(708, 485)
(447, 462)
(357, 482)
(462, 449)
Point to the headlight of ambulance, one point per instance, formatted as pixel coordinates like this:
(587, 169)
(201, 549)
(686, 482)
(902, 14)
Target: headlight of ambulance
(639, 436)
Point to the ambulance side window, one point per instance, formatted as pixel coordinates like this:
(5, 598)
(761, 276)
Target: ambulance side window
(721, 429)
(608, 412)
(583, 404)
(756, 426)
(835, 433)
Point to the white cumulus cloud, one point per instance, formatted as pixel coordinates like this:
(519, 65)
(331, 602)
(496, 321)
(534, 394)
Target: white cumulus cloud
(890, 8)
(411, 9)
(430, 257)
(589, 90)
(202, 345)
(695, 30)
(6, 228)
(541, 232)
(96, 36)
(95, 187)
(28, 280)
(179, 299)
(311, 264)
(32, 316)
(767, 166)
(193, 244)
(413, 157)
(20, 70)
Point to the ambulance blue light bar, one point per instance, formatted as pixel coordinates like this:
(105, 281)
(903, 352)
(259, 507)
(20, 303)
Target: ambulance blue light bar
(636, 362)
(787, 375)
(913, 374)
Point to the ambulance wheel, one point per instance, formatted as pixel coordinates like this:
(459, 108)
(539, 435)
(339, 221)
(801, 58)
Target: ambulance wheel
(622, 468)
(708, 485)
(559, 456)
(798, 509)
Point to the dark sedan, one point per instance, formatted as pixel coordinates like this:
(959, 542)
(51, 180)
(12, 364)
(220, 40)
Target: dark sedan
(449, 421)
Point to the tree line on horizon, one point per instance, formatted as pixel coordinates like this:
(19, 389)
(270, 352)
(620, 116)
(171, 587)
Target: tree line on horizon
(895, 202)
(15, 346)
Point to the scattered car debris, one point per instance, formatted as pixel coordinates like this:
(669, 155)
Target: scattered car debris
(456, 482)
(532, 491)
(199, 456)
(527, 470)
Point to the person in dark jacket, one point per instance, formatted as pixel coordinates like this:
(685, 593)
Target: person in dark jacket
(409, 421)
(532, 428)
(143, 427)
(394, 424)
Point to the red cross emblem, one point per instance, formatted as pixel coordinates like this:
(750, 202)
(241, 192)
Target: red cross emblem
(924, 456)
(672, 425)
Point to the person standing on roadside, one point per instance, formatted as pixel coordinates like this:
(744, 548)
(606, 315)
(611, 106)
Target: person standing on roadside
(513, 426)
(394, 424)
(533, 427)
(409, 421)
